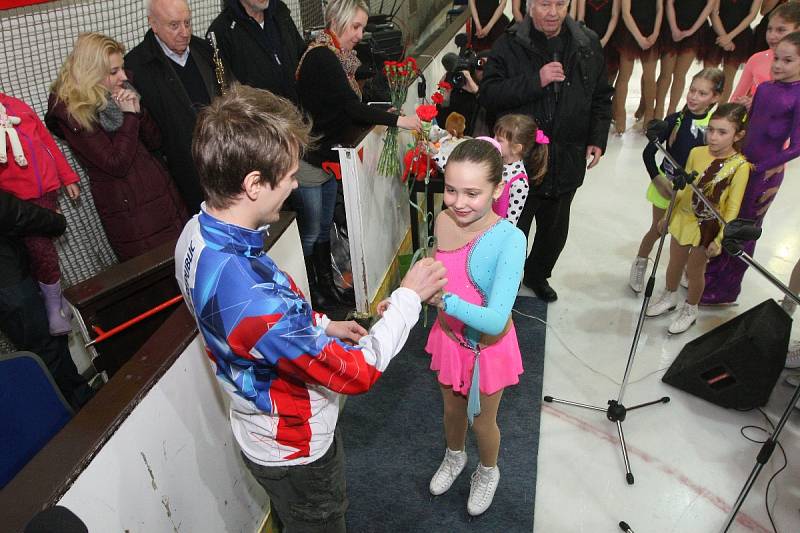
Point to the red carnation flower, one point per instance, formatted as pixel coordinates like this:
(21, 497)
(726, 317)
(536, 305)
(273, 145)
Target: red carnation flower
(445, 85)
(426, 113)
(437, 98)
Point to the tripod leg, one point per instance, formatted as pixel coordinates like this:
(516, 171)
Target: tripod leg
(762, 459)
(550, 399)
(742, 495)
(664, 399)
(628, 473)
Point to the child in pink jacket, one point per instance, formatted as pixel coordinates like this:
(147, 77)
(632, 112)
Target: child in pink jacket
(34, 169)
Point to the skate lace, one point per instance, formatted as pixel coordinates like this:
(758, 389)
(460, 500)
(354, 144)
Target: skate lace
(638, 272)
(481, 481)
(448, 468)
(686, 314)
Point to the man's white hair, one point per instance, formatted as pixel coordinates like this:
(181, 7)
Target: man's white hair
(148, 6)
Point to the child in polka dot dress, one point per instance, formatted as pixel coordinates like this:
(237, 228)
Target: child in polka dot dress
(523, 147)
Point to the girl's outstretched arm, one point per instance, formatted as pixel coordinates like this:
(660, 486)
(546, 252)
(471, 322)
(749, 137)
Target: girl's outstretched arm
(492, 318)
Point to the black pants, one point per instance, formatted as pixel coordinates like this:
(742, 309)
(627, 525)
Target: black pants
(308, 498)
(552, 226)
(24, 321)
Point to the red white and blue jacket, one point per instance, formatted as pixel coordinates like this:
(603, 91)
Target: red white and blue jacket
(271, 354)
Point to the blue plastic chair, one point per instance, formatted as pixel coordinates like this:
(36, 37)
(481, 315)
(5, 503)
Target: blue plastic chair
(33, 410)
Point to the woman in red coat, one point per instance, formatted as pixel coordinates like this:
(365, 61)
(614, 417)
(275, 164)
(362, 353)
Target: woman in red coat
(96, 111)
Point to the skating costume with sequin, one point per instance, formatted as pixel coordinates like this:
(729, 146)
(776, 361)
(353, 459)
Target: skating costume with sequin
(722, 181)
(483, 280)
(774, 118)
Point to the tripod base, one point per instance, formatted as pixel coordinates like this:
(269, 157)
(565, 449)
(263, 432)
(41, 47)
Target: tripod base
(615, 412)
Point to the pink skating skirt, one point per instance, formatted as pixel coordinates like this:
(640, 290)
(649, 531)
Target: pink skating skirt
(501, 363)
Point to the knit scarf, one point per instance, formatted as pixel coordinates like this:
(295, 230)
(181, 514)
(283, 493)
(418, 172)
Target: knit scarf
(348, 59)
(111, 116)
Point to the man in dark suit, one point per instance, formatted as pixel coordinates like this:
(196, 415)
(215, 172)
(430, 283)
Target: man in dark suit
(551, 68)
(174, 73)
(260, 42)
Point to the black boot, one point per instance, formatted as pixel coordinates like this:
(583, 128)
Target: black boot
(318, 300)
(325, 284)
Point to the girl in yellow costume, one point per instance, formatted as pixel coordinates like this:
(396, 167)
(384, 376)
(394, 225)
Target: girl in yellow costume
(722, 174)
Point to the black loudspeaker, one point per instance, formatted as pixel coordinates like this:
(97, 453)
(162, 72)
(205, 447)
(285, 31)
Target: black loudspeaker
(738, 363)
(386, 42)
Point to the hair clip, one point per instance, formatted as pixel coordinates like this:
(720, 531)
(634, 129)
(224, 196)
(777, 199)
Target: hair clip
(492, 141)
(744, 118)
(541, 138)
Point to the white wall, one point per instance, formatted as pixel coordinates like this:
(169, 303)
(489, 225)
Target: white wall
(377, 206)
(173, 465)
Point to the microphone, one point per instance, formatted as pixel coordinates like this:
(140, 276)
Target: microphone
(422, 87)
(741, 229)
(625, 527)
(554, 47)
(656, 129)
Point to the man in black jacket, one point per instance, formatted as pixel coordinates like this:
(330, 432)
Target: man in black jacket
(552, 68)
(260, 43)
(23, 318)
(174, 73)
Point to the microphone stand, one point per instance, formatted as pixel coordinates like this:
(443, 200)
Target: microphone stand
(616, 411)
(734, 234)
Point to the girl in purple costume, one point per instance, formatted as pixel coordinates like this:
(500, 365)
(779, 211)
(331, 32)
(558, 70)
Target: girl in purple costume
(775, 117)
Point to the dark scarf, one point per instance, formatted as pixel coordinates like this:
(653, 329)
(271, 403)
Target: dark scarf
(111, 117)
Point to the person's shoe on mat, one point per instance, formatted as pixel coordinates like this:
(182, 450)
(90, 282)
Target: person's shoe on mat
(481, 489)
(452, 465)
(542, 290)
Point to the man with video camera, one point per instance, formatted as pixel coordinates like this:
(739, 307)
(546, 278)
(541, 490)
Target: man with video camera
(552, 68)
(464, 71)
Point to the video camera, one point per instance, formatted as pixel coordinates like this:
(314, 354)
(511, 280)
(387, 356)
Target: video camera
(466, 59)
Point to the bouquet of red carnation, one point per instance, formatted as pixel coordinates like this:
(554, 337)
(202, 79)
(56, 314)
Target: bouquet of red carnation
(417, 159)
(427, 113)
(442, 93)
(399, 75)
(417, 164)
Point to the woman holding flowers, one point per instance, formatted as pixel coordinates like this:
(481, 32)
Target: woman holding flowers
(329, 93)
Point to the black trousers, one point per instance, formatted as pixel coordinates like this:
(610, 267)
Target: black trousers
(308, 498)
(552, 227)
(23, 319)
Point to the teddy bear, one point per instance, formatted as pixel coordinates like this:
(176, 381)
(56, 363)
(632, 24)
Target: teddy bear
(7, 124)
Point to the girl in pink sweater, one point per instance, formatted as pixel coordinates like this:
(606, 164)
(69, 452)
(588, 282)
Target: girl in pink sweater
(783, 20)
